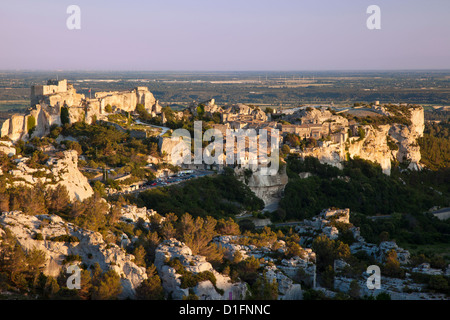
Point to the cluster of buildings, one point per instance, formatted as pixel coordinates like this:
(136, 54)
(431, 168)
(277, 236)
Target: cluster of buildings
(316, 123)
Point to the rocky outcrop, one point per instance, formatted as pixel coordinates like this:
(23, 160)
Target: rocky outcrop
(205, 290)
(15, 127)
(269, 188)
(132, 214)
(90, 247)
(398, 289)
(373, 147)
(381, 144)
(287, 289)
(240, 111)
(66, 172)
(59, 171)
(379, 251)
(7, 148)
(172, 146)
(305, 266)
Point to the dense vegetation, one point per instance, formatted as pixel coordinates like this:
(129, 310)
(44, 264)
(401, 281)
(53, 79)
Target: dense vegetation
(104, 144)
(218, 196)
(362, 187)
(435, 145)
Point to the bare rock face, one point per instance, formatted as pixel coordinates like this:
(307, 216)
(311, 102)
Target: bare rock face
(269, 188)
(380, 251)
(62, 171)
(132, 214)
(318, 116)
(287, 289)
(205, 290)
(90, 247)
(374, 145)
(169, 146)
(68, 175)
(14, 127)
(7, 148)
(127, 100)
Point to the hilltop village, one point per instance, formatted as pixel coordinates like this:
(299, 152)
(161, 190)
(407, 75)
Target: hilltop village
(71, 165)
(383, 134)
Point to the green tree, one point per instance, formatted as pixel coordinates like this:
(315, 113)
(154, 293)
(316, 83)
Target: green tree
(227, 227)
(65, 117)
(109, 287)
(35, 260)
(327, 277)
(264, 289)
(325, 251)
(139, 256)
(150, 288)
(57, 199)
(438, 283)
(285, 149)
(90, 213)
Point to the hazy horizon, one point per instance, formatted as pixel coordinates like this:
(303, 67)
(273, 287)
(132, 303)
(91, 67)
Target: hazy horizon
(231, 36)
(226, 71)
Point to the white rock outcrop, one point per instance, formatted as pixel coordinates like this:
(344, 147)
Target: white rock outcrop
(66, 172)
(48, 100)
(59, 171)
(132, 214)
(205, 290)
(91, 247)
(7, 148)
(287, 289)
(374, 145)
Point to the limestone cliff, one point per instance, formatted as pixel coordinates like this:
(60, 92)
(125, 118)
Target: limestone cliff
(269, 188)
(381, 144)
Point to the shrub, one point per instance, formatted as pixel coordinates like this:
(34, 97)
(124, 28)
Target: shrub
(71, 258)
(31, 124)
(65, 238)
(38, 236)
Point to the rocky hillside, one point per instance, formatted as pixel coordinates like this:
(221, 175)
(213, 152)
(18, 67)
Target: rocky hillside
(193, 273)
(58, 171)
(60, 240)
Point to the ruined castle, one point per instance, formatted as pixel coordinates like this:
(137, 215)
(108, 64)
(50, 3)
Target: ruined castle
(46, 102)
